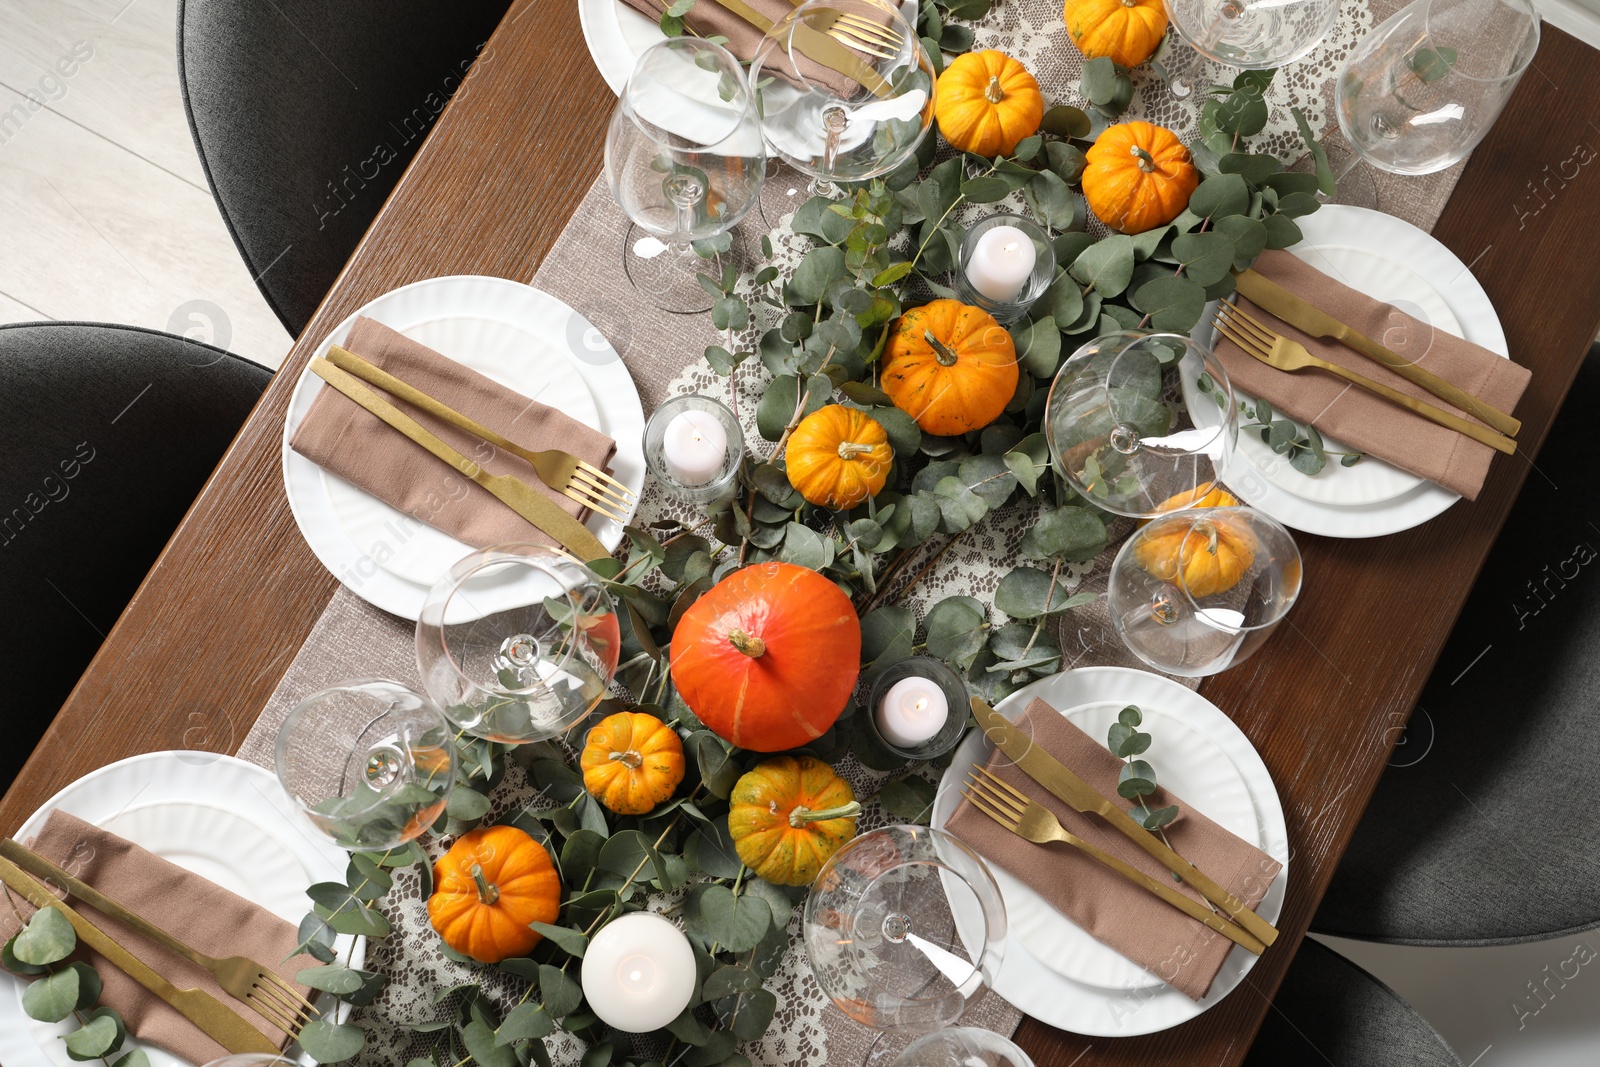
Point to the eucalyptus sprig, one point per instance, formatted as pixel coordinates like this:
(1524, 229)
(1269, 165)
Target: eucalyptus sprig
(1137, 779)
(1301, 445)
(61, 990)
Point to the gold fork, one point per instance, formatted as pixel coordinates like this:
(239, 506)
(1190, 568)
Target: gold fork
(859, 32)
(561, 471)
(1285, 354)
(1034, 822)
(241, 978)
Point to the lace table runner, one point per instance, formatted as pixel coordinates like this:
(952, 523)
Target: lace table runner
(663, 354)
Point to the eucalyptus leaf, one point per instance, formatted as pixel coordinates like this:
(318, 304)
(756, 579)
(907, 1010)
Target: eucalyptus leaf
(735, 923)
(482, 1047)
(1027, 593)
(53, 997)
(572, 942)
(1172, 304)
(103, 1033)
(1107, 265)
(48, 938)
(956, 628)
(1075, 534)
(525, 1022)
(1206, 257)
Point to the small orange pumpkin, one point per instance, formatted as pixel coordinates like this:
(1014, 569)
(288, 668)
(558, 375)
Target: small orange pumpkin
(788, 815)
(631, 762)
(1128, 31)
(1212, 555)
(986, 103)
(1138, 176)
(493, 882)
(950, 366)
(838, 456)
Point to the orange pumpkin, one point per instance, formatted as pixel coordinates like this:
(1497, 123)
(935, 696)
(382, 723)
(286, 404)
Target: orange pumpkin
(1128, 31)
(1210, 495)
(838, 456)
(950, 366)
(493, 882)
(1138, 176)
(1213, 556)
(788, 815)
(631, 762)
(986, 103)
(768, 657)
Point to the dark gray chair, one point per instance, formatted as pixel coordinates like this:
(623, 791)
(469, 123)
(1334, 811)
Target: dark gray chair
(306, 113)
(1481, 830)
(1331, 1012)
(107, 434)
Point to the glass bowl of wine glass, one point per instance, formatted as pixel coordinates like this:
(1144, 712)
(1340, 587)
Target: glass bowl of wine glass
(904, 926)
(517, 642)
(369, 763)
(1117, 432)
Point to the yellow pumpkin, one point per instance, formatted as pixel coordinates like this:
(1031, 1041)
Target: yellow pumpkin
(1213, 555)
(1127, 31)
(986, 102)
(838, 456)
(631, 762)
(1138, 176)
(1210, 495)
(950, 366)
(493, 882)
(788, 815)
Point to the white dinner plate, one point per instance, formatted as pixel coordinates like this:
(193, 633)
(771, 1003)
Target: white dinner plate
(218, 816)
(1094, 694)
(515, 334)
(1389, 259)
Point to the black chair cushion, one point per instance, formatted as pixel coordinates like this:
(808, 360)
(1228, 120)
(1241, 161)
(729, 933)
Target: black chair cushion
(107, 434)
(306, 113)
(1481, 830)
(1329, 1011)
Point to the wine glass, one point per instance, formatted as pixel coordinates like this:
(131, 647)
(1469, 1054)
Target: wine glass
(252, 1059)
(517, 642)
(370, 763)
(685, 162)
(1421, 90)
(1112, 422)
(963, 1046)
(1193, 593)
(845, 90)
(1248, 34)
(903, 927)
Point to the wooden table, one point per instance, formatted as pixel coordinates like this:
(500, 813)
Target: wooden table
(218, 620)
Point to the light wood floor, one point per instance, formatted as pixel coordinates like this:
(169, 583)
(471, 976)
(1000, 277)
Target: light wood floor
(104, 211)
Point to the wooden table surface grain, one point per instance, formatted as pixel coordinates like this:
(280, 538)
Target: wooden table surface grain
(212, 629)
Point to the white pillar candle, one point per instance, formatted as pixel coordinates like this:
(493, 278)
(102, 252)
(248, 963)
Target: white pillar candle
(913, 710)
(638, 972)
(1001, 263)
(695, 446)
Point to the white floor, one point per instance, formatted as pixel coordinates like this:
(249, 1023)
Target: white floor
(108, 218)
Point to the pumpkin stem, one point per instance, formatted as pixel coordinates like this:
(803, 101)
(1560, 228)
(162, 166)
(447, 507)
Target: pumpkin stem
(487, 893)
(800, 815)
(753, 647)
(941, 351)
(992, 92)
(1147, 162)
(852, 449)
(629, 759)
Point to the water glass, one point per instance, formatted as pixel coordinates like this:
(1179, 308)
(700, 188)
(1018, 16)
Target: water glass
(1252, 34)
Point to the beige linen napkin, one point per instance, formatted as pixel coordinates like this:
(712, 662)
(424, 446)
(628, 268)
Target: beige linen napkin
(205, 916)
(344, 438)
(1359, 418)
(1152, 933)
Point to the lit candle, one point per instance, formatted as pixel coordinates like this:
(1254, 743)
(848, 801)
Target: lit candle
(638, 972)
(1002, 262)
(695, 447)
(913, 710)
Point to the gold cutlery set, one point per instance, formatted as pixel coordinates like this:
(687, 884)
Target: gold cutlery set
(1261, 342)
(246, 981)
(566, 474)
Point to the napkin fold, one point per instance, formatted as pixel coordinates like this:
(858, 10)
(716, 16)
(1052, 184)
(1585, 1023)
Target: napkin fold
(1359, 418)
(201, 913)
(1179, 950)
(345, 439)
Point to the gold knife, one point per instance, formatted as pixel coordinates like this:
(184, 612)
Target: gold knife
(1049, 772)
(225, 1026)
(515, 494)
(817, 46)
(1297, 312)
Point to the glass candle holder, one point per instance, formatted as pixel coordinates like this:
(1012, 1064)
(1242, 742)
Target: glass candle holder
(1007, 262)
(693, 445)
(902, 706)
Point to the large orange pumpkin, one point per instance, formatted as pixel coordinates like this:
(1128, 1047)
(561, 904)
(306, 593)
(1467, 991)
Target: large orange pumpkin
(631, 762)
(1138, 176)
(986, 103)
(838, 456)
(950, 366)
(1128, 31)
(493, 882)
(768, 657)
(788, 815)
